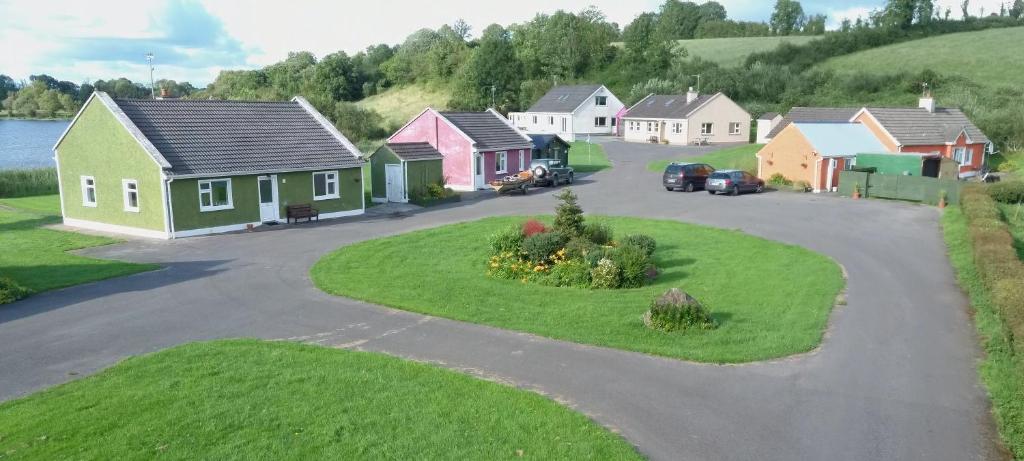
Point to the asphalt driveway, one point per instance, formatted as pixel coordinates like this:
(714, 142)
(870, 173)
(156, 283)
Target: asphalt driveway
(894, 379)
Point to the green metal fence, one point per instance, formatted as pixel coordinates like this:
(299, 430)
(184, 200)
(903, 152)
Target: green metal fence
(899, 187)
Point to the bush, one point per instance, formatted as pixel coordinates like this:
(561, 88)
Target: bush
(533, 227)
(597, 254)
(676, 310)
(779, 180)
(579, 248)
(568, 214)
(605, 275)
(1007, 192)
(633, 263)
(569, 273)
(540, 247)
(10, 291)
(598, 233)
(508, 240)
(508, 266)
(24, 183)
(801, 186)
(644, 242)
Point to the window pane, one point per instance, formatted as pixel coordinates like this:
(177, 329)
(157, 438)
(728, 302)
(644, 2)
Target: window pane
(204, 186)
(91, 194)
(331, 186)
(266, 191)
(204, 198)
(220, 193)
(319, 185)
(133, 199)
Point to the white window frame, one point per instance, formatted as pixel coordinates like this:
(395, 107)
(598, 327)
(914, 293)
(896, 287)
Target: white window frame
(522, 160)
(534, 119)
(963, 156)
(501, 162)
(551, 120)
(735, 128)
(598, 124)
(849, 163)
(564, 123)
(710, 128)
(126, 193)
(650, 127)
(333, 178)
(677, 127)
(600, 101)
(86, 187)
(209, 190)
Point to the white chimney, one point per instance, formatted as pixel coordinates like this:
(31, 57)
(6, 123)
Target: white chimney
(691, 95)
(927, 103)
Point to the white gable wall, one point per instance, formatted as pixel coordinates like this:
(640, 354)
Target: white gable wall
(572, 126)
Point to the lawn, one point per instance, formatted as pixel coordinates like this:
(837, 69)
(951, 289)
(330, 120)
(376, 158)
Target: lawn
(730, 52)
(400, 104)
(733, 158)
(247, 399)
(988, 57)
(775, 304)
(1003, 377)
(38, 258)
(587, 157)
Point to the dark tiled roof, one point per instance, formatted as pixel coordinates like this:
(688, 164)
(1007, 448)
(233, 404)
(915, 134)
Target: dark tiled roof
(916, 126)
(488, 130)
(212, 137)
(815, 115)
(411, 151)
(565, 98)
(768, 115)
(541, 141)
(672, 106)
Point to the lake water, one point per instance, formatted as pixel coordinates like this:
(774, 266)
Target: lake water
(29, 143)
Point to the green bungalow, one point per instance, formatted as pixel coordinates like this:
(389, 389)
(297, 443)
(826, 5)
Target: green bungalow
(399, 171)
(550, 146)
(179, 168)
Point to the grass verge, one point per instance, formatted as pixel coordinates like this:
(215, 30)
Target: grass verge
(587, 157)
(764, 312)
(38, 259)
(23, 183)
(1000, 371)
(247, 399)
(733, 158)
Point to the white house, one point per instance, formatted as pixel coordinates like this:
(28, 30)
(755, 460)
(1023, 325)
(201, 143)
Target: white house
(765, 124)
(686, 119)
(571, 111)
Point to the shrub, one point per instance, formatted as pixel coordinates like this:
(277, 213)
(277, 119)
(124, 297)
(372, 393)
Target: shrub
(634, 263)
(779, 180)
(508, 266)
(508, 240)
(533, 227)
(801, 186)
(579, 248)
(598, 233)
(676, 310)
(569, 273)
(605, 275)
(540, 247)
(10, 291)
(597, 254)
(1007, 192)
(568, 214)
(644, 242)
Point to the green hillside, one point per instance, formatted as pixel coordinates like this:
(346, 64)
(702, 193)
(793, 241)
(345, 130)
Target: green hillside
(399, 105)
(987, 57)
(733, 51)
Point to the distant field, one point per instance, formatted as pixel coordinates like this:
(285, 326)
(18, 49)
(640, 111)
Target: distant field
(990, 57)
(399, 105)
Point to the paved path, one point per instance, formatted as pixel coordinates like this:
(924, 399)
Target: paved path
(894, 379)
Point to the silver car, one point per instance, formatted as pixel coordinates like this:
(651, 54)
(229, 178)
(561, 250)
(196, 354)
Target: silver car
(733, 182)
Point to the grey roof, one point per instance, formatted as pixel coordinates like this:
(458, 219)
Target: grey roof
(768, 115)
(916, 126)
(205, 137)
(670, 106)
(488, 130)
(541, 141)
(815, 115)
(564, 98)
(411, 151)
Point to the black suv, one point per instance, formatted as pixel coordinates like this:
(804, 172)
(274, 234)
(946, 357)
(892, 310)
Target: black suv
(686, 176)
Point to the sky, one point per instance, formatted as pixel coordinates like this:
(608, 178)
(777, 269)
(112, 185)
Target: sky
(193, 40)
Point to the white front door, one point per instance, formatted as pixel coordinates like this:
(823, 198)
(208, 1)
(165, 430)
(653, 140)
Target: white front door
(478, 179)
(395, 183)
(831, 173)
(269, 208)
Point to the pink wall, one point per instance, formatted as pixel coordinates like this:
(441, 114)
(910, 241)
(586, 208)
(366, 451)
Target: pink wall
(947, 151)
(491, 158)
(457, 150)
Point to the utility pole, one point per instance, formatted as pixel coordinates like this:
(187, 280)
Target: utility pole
(152, 83)
(698, 81)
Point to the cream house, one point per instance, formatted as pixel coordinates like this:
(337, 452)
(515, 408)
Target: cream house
(686, 119)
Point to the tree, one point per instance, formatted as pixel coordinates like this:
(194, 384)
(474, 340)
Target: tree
(568, 215)
(492, 70)
(898, 13)
(7, 86)
(815, 25)
(1017, 10)
(333, 77)
(964, 8)
(787, 17)
(357, 123)
(679, 20)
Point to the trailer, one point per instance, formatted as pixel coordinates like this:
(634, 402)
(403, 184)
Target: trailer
(511, 184)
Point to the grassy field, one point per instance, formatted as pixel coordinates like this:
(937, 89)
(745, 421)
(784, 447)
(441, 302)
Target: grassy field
(729, 52)
(982, 56)
(399, 105)
(776, 305)
(587, 157)
(38, 258)
(247, 399)
(733, 158)
(1003, 377)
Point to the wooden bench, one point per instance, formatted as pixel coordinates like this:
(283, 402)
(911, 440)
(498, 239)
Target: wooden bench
(297, 212)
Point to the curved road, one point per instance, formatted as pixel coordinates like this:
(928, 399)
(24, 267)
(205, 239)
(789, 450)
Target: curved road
(894, 379)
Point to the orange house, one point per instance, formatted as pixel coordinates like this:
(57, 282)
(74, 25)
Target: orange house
(816, 152)
(928, 129)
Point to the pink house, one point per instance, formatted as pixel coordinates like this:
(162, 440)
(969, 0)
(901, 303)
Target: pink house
(478, 147)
